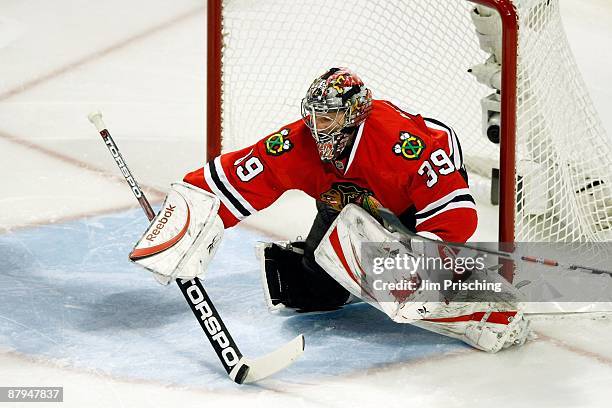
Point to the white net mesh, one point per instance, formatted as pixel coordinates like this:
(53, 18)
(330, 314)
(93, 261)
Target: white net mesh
(417, 53)
(563, 152)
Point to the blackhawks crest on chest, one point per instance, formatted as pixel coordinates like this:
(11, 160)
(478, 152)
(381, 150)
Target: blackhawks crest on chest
(341, 194)
(409, 147)
(278, 143)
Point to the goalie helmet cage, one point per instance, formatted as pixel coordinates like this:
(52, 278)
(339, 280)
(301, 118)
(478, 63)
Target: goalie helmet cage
(554, 158)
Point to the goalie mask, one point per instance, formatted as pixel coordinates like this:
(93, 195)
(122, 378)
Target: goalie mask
(336, 103)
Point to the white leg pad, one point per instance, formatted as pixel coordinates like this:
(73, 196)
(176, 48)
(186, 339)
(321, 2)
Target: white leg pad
(489, 325)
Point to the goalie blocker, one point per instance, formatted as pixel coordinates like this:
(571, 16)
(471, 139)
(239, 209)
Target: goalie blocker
(183, 237)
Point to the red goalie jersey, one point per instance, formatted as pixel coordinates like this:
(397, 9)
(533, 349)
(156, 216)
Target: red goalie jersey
(412, 165)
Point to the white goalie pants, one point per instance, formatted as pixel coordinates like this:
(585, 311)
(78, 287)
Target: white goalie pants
(353, 248)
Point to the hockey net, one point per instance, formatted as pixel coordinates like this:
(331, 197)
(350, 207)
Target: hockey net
(554, 159)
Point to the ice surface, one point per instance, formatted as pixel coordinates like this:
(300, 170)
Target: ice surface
(69, 293)
(77, 313)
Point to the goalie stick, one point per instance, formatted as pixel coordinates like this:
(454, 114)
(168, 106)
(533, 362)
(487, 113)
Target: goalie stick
(239, 368)
(393, 224)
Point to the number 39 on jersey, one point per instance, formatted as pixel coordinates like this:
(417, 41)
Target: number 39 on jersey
(438, 163)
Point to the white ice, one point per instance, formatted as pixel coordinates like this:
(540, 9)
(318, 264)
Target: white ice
(75, 313)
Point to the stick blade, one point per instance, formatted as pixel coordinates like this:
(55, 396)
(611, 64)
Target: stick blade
(273, 362)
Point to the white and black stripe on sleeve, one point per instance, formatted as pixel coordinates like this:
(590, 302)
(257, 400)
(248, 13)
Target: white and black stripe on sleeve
(460, 198)
(217, 180)
(455, 154)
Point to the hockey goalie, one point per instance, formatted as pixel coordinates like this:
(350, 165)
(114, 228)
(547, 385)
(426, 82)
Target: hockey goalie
(352, 154)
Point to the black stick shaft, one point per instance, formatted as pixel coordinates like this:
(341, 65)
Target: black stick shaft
(212, 325)
(200, 303)
(127, 174)
(395, 224)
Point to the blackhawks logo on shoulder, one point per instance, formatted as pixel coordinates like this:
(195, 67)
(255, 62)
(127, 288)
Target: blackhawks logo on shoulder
(278, 143)
(409, 146)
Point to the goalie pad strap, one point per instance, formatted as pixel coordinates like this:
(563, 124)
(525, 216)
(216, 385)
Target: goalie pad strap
(494, 317)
